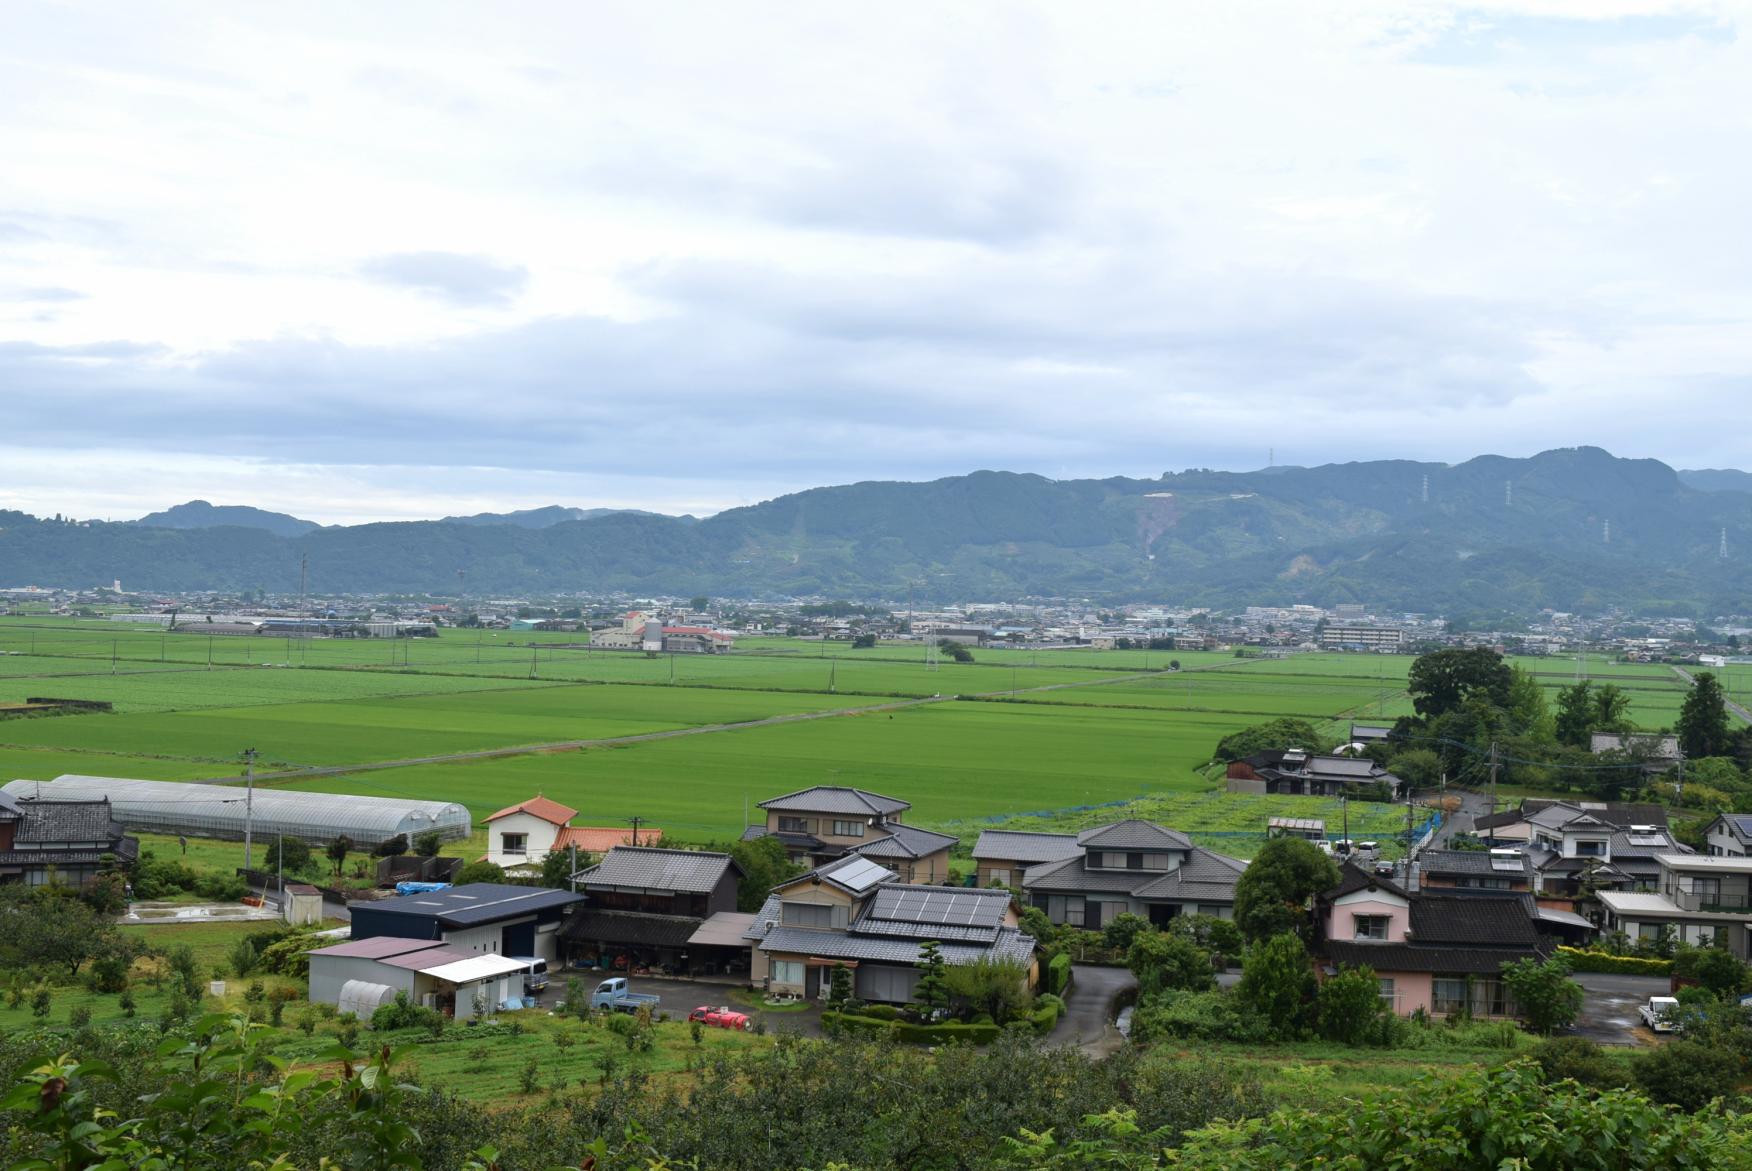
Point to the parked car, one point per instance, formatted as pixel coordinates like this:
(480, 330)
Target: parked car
(614, 994)
(1658, 1014)
(1384, 869)
(721, 1018)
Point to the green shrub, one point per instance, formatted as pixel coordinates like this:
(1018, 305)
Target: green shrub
(244, 959)
(1202, 1016)
(947, 1033)
(1058, 974)
(853, 1023)
(1579, 1060)
(1591, 960)
(1047, 1010)
(1686, 1074)
(881, 1012)
(402, 1013)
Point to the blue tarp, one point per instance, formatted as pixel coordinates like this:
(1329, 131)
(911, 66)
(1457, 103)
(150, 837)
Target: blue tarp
(419, 888)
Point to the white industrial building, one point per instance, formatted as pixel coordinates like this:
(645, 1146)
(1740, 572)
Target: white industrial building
(361, 976)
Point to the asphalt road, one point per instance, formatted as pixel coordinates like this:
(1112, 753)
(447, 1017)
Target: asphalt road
(1088, 1019)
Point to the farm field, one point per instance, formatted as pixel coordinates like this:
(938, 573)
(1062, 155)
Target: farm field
(1090, 728)
(385, 728)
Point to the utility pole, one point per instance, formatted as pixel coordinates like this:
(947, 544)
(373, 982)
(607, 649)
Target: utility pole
(1344, 815)
(113, 644)
(303, 580)
(636, 822)
(572, 873)
(1493, 787)
(249, 756)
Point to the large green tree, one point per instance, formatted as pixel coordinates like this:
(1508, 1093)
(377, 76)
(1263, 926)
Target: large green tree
(1272, 895)
(1703, 719)
(1441, 681)
(1281, 733)
(1277, 983)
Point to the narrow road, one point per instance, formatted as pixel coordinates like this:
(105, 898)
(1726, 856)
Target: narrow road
(1743, 713)
(644, 737)
(1088, 1019)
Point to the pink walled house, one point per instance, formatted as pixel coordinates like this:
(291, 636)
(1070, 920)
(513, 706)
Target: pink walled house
(1439, 953)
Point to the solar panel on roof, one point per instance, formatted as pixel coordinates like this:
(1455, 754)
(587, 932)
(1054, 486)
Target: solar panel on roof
(1506, 864)
(1647, 840)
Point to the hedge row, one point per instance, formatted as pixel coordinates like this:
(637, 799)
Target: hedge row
(1045, 1016)
(1058, 974)
(1590, 960)
(913, 1034)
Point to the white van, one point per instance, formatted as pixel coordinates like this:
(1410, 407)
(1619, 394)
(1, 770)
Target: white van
(535, 974)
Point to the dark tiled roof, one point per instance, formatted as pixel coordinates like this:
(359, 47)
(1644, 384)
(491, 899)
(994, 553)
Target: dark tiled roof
(1208, 877)
(648, 868)
(1499, 820)
(629, 927)
(1133, 834)
(833, 799)
(1461, 922)
(1352, 879)
(1006, 845)
(906, 842)
(1009, 944)
(1407, 957)
(66, 821)
(1470, 862)
(475, 902)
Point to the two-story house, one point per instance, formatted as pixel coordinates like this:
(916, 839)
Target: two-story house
(1729, 836)
(825, 822)
(521, 836)
(1132, 866)
(1002, 856)
(643, 905)
(856, 913)
(1699, 899)
(1572, 853)
(1439, 953)
(44, 843)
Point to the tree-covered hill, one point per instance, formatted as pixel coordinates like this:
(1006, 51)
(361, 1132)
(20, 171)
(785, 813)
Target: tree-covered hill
(1571, 529)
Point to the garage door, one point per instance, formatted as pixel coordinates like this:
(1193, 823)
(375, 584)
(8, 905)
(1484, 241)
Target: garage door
(520, 939)
(894, 985)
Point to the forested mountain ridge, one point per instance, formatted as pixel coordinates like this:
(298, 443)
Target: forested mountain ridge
(1571, 529)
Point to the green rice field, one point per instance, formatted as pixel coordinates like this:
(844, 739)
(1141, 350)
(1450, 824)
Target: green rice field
(1018, 733)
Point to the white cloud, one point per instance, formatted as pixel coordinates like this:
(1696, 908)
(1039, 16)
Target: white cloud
(687, 256)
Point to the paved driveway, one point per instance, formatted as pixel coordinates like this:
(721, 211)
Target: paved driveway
(1609, 1009)
(1088, 1019)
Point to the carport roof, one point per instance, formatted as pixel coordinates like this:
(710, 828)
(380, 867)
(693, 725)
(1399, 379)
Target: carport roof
(476, 967)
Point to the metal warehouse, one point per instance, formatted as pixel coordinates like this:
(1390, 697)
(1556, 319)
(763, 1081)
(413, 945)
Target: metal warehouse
(476, 917)
(220, 811)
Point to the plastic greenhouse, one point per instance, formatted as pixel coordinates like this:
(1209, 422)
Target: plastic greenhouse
(218, 811)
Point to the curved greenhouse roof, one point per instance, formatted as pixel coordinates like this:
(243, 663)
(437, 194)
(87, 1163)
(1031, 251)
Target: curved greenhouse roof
(217, 811)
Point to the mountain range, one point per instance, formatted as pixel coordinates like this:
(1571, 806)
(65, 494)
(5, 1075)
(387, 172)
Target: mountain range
(1572, 529)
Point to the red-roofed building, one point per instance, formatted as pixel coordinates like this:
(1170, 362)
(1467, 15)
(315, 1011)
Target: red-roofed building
(521, 836)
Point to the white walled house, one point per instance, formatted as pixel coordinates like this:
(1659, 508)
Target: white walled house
(520, 836)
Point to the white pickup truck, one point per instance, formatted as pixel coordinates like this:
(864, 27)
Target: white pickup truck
(1659, 1012)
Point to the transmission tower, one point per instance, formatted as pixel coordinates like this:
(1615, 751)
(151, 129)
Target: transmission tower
(931, 651)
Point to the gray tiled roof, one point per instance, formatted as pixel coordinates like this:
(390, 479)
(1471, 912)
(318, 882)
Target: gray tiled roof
(1468, 862)
(684, 871)
(1406, 957)
(1208, 877)
(66, 821)
(1007, 845)
(906, 842)
(1133, 834)
(769, 913)
(834, 799)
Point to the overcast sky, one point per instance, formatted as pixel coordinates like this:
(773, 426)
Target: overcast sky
(382, 261)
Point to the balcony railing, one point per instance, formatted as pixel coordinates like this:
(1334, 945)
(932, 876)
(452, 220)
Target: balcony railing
(1709, 902)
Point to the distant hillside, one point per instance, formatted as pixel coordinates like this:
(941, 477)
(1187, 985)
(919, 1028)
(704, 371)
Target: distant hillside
(541, 518)
(198, 514)
(1571, 529)
(1717, 480)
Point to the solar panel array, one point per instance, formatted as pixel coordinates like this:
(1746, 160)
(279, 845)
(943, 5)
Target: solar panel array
(1513, 864)
(940, 907)
(860, 875)
(1647, 840)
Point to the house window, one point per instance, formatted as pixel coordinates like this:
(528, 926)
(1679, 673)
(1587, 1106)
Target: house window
(1370, 926)
(807, 915)
(1708, 889)
(514, 843)
(849, 829)
(1388, 994)
(1447, 995)
(1134, 861)
(1001, 877)
(1650, 930)
(1074, 911)
(794, 825)
(1590, 849)
(788, 972)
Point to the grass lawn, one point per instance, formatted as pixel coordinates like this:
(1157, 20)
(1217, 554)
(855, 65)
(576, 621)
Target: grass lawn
(1318, 1074)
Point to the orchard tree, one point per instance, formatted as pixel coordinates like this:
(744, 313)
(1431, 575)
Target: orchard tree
(1273, 894)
